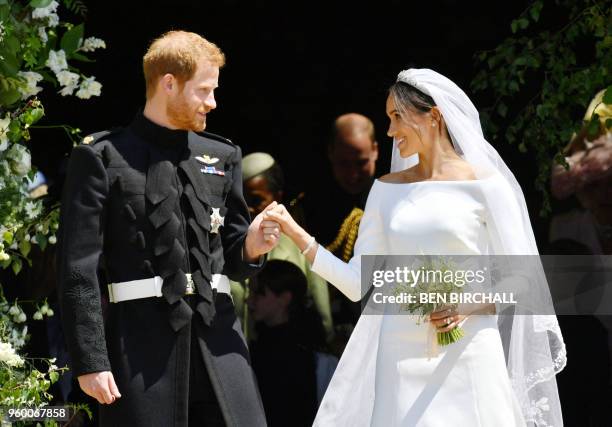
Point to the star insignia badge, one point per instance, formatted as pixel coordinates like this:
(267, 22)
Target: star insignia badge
(206, 159)
(216, 220)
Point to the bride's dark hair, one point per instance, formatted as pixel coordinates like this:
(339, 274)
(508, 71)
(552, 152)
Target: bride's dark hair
(407, 97)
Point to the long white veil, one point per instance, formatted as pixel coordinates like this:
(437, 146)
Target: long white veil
(533, 343)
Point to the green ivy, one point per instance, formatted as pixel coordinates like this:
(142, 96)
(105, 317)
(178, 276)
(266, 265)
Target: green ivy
(541, 79)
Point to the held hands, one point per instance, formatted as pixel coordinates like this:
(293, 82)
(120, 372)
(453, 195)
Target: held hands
(101, 386)
(262, 235)
(281, 217)
(304, 241)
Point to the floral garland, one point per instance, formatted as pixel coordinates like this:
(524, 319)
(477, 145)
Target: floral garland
(36, 47)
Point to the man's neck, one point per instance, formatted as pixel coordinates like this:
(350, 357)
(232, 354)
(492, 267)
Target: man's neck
(157, 115)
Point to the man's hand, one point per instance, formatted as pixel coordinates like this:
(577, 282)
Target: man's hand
(262, 236)
(101, 386)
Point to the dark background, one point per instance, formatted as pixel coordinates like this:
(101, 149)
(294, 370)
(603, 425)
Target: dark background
(292, 67)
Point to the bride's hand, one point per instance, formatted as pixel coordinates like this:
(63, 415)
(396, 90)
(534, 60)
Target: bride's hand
(282, 217)
(446, 319)
(304, 241)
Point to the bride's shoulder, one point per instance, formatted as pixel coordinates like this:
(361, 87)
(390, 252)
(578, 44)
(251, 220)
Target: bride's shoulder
(398, 177)
(461, 170)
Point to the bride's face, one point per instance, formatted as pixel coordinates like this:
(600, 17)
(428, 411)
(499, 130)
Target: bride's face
(409, 131)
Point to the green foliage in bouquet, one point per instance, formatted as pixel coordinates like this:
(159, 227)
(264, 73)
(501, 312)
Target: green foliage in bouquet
(433, 281)
(541, 79)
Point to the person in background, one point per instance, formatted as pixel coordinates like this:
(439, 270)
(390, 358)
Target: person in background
(586, 229)
(263, 183)
(352, 152)
(589, 178)
(292, 371)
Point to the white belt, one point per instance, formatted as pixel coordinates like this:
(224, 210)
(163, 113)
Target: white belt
(147, 288)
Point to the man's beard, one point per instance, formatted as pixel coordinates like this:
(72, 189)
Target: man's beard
(181, 116)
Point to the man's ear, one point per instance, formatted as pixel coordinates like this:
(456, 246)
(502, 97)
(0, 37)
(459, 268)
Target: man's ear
(168, 83)
(375, 150)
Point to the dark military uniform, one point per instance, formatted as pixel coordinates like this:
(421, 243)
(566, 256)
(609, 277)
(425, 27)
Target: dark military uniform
(138, 204)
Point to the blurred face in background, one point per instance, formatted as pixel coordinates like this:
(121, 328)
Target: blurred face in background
(596, 197)
(258, 195)
(267, 307)
(353, 160)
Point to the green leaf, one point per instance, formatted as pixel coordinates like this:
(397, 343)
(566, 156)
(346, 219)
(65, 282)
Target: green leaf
(25, 247)
(80, 57)
(608, 123)
(40, 3)
(593, 127)
(9, 97)
(13, 44)
(502, 109)
(535, 11)
(32, 116)
(522, 147)
(16, 266)
(9, 64)
(8, 237)
(53, 376)
(72, 39)
(607, 96)
(41, 240)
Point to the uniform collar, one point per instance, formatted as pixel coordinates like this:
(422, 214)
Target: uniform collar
(160, 136)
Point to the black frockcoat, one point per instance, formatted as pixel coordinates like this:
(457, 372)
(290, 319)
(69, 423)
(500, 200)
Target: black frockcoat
(137, 204)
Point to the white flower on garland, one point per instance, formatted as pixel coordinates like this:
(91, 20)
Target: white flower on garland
(32, 209)
(4, 125)
(69, 82)
(8, 355)
(57, 60)
(42, 35)
(89, 87)
(49, 12)
(92, 43)
(20, 159)
(32, 80)
(2, 31)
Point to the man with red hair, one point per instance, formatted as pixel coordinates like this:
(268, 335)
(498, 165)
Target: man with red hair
(155, 214)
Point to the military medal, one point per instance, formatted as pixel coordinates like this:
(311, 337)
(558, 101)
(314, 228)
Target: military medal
(216, 220)
(212, 171)
(206, 159)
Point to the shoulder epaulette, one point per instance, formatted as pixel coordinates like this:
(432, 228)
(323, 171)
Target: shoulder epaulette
(99, 136)
(216, 137)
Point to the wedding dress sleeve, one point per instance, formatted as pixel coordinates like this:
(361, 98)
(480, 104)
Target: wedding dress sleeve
(370, 241)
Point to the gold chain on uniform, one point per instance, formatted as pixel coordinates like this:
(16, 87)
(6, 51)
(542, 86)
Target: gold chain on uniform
(347, 235)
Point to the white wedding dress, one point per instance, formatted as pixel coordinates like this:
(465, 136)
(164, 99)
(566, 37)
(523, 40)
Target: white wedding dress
(387, 369)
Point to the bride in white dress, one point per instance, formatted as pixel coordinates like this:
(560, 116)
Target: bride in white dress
(448, 193)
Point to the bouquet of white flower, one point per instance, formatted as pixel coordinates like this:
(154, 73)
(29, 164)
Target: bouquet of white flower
(431, 290)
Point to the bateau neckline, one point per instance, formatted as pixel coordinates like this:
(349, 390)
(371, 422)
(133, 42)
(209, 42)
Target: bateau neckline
(437, 181)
